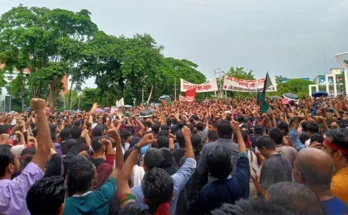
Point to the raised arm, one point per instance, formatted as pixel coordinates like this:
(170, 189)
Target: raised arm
(123, 176)
(44, 141)
(186, 132)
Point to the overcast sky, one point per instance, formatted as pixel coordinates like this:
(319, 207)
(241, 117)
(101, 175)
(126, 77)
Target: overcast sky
(292, 38)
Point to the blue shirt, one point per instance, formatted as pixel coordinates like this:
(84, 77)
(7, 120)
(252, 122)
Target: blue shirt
(181, 177)
(335, 206)
(295, 140)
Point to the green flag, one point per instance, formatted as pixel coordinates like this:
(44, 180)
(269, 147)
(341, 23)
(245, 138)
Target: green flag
(267, 84)
(264, 106)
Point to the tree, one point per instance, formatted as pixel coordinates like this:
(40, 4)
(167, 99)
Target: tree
(296, 86)
(33, 38)
(279, 79)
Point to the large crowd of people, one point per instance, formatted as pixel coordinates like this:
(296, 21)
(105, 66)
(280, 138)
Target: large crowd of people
(219, 156)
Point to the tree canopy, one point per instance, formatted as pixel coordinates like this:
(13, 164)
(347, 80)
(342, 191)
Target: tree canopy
(54, 43)
(297, 86)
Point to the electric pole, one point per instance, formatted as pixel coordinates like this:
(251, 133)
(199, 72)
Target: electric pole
(174, 89)
(142, 94)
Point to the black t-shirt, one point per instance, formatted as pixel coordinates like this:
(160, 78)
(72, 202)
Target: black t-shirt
(97, 161)
(177, 155)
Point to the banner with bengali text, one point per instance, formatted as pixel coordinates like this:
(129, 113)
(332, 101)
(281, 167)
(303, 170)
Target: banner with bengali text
(209, 86)
(186, 98)
(241, 85)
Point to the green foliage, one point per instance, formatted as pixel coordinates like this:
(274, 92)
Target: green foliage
(279, 79)
(54, 43)
(297, 86)
(89, 97)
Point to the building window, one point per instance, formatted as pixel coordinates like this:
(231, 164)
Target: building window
(10, 77)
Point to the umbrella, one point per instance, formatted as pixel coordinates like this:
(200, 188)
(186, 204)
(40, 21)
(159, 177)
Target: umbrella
(285, 101)
(127, 106)
(107, 108)
(146, 113)
(163, 97)
(98, 110)
(291, 96)
(320, 94)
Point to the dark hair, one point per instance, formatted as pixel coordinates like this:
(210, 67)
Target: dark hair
(312, 127)
(163, 133)
(6, 158)
(199, 126)
(265, 142)
(155, 128)
(196, 142)
(65, 134)
(130, 128)
(46, 196)
(284, 126)
(97, 131)
(295, 197)
(157, 187)
(240, 118)
(252, 206)
(304, 136)
(148, 124)
(75, 132)
(276, 135)
(163, 142)
(212, 135)
(125, 133)
(180, 139)
(316, 137)
(224, 129)
(165, 127)
(96, 145)
(153, 158)
(339, 137)
(219, 162)
(80, 175)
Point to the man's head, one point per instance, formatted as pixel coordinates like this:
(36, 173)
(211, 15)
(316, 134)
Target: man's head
(163, 142)
(259, 130)
(276, 135)
(126, 135)
(9, 163)
(219, 162)
(284, 127)
(153, 158)
(336, 145)
(64, 135)
(313, 168)
(96, 145)
(46, 196)
(199, 126)
(265, 145)
(80, 175)
(224, 129)
(212, 126)
(294, 197)
(312, 127)
(317, 141)
(75, 132)
(158, 188)
(98, 131)
(212, 136)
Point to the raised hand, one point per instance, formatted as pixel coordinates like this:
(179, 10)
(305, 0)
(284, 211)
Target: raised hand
(38, 104)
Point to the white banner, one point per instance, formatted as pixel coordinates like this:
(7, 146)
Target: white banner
(241, 85)
(186, 98)
(120, 103)
(209, 86)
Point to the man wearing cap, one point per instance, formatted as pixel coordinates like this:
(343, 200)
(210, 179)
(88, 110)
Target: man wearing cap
(336, 145)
